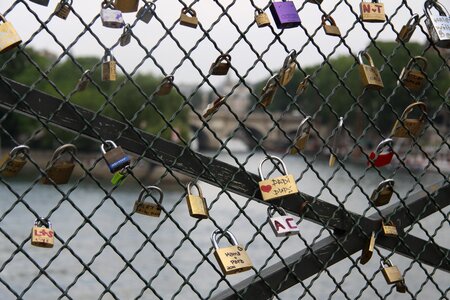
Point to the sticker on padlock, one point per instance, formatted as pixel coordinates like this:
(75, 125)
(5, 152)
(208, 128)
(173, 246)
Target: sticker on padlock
(389, 229)
(369, 74)
(109, 72)
(409, 127)
(301, 136)
(166, 86)
(413, 75)
(188, 17)
(233, 259)
(196, 203)
(368, 249)
(337, 138)
(114, 156)
(63, 8)
(42, 234)
(125, 38)
(284, 14)
(111, 17)
(288, 70)
(281, 186)
(212, 108)
(390, 272)
(438, 25)
(372, 12)
(380, 157)
(282, 225)
(221, 65)
(13, 162)
(146, 12)
(302, 86)
(331, 29)
(383, 193)
(261, 18)
(120, 176)
(41, 2)
(83, 82)
(59, 170)
(9, 36)
(269, 91)
(127, 6)
(149, 209)
(407, 30)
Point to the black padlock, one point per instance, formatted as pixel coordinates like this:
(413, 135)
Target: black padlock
(115, 158)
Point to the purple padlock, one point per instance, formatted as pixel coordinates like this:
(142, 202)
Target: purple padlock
(285, 14)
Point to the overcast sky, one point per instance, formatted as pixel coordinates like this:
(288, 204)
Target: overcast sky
(168, 54)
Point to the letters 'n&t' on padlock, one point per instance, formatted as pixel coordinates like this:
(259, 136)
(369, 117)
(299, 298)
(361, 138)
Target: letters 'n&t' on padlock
(114, 156)
(59, 170)
(9, 36)
(281, 186)
(372, 11)
(410, 127)
(383, 193)
(438, 25)
(188, 17)
(62, 9)
(42, 234)
(331, 29)
(390, 272)
(196, 203)
(146, 208)
(369, 74)
(284, 14)
(282, 225)
(13, 162)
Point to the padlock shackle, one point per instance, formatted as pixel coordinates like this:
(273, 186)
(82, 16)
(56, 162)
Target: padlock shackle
(386, 143)
(62, 149)
(223, 57)
(419, 61)
(409, 108)
(290, 58)
(108, 55)
(271, 158)
(146, 192)
(413, 21)
(385, 183)
(328, 18)
(85, 74)
(272, 209)
(21, 149)
(43, 222)
(126, 28)
(258, 11)
(388, 223)
(305, 125)
(167, 79)
(194, 184)
(443, 12)
(109, 143)
(386, 262)
(271, 83)
(366, 55)
(190, 11)
(68, 2)
(302, 85)
(149, 4)
(215, 238)
(108, 4)
(2, 18)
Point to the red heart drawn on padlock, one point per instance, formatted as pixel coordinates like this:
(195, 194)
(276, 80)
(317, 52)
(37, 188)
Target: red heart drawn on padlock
(266, 188)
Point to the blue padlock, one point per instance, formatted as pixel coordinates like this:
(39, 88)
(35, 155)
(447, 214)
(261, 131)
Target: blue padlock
(115, 158)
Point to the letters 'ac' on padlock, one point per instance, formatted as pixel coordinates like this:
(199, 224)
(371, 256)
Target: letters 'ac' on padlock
(389, 229)
(111, 17)
(146, 12)
(212, 108)
(288, 70)
(383, 193)
(368, 249)
(372, 12)
(390, 272)
(277, 187)
(331, 29)
(196, 203)
(114, 156)
(166, 86)
(380, 157)
(41, 2)
(188, 17)
(413, 75)
(233, 259)
(59, 170)
(12, 163)
(146, 208)
(438, 25)
(108, 67)
(62, 10)
(127, 6)
(282, 225)
(302, 136)
(369, 74)
(125, 38)
(83, 82)
(409, 127)
(221, 65)
(284, 14)
(269, 91)
(42, 234)
(261, 18)
(407, 30)
(9, 36)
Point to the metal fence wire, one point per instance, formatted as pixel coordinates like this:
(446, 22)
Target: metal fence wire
(366, 222)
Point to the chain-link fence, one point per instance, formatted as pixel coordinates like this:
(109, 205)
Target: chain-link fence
(364, 137)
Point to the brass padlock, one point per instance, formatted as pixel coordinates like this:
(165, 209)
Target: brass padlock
(380, 158)
(41, 2)
(42, 234)
(277, 187)
(108, 67)
(9, 36)
(221, 65)
(302, 86)
(146, 12)
(125, 38)
(261, 18)
(114, 156)
(335, 150)
(83, 82)
(12, 163)
(166, 86)
(372, 12)
(111, 17)
(188, 17)
(408, 127)
(288, 70)
(331, 29)
(368, 249)
(212, 108)
(389, 229)
(302, 136)
(146, 208)
(383, 193)
(407, 30)
(62, 10)
(390, 272)
(438, 25)
(269, 91)
(196, 203)
(401, 286)
(413, 75)
(282, 225)
(233, 259)
(127, 6)
(370, 75)
(58, 170)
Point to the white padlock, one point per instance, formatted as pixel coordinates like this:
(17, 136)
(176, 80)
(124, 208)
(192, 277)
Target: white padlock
(111, 17)
(282, 225)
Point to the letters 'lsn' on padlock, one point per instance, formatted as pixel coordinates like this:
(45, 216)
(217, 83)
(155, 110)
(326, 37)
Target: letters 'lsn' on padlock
(111, 17)
(407, 30)
(379, 157)
(288, 70)
(127, 6)
(42, 234)
(383, 193)
(438, 25)
(269, 91)
(389, 229)
(146, 208)
(331, 29)
(58, 169)
(196, 203)
(370, 75)
(146, 12)
(115, 158)
(413, 75)
(409, 127)
(188, 17)
(302, 136)
(221, 65)
(9, 36)
(390, 272)
(62, 9)
(368, 249)
(277, 187)
(282, 225)
(166, 86)
(372, 11)
(109, 67)
(284, 14)
(12, 163)
(261, 18)
(233, 259)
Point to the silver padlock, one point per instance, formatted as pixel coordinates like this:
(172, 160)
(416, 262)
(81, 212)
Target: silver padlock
(282, 225)
(111, 17)
(383, 193)
(302, 136)
(438, 25)
(146, 12)
(125, 38)
(83, 82)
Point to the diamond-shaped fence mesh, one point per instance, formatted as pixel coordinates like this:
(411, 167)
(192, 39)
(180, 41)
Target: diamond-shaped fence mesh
(154, 88)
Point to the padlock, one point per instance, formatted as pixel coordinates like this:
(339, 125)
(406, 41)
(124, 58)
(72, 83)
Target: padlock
(288, 70)
(334, 146)
(283, 225)
(381, 158)
(108, 67)
(302, 136)
(390, 272)
(315, 1)
(331, 29)
(438, 25)
(401, 286)
(196, 203)
(188, 17)
(9, 36)
(166, 86)
(42, 234)
(41, 2)
(146, 12)
(127, 6)
(62, 10)
(146, 208)
(277, 187)
(221, 65)
(372, 12)
(115, 158)
(111, 17)
(269, 91)
(284, 14)
(413, 75)
(389, 229)
(368, 249)
(408, 127)
(407, 30)
(12, 163)
(58, 170)
(233, 259)
(261, 18)
(302, 86)
(212, 108)
(125, 38)
(383, 193)
(370, 75)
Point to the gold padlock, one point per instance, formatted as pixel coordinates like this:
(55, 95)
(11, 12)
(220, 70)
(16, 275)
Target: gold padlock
(370, 75)
(212, 108)
(188, 17)
(221, 65)
(390, 272)
(302, 86)
(42, 234)
(62, 10)
(12, 163)
(58, 170)
(288, 70)
(196, 203)
(368, 249)
(302, 136)
(146, 208)
(166, 86)
(108, 67)
(389, 229)
(331, 29)
(407, 30)
(413, 75)
(408, 127)
(9, 36)
(277, 187)
(83, 82)
(372, 12)
(233, 259)
(269, 91)
(127, 6)
(383, 193)
(334, 146)
(261, 18)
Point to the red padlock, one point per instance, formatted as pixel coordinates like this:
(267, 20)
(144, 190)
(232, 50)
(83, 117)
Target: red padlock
(380, 158)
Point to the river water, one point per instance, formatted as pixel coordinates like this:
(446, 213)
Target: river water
(116, 239)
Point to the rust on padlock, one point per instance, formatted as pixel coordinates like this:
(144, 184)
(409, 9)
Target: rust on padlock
(413, 75)
(212, 108)
(59, 170)
(331, 29)
(188, 17)
(221, 65)
(146, 208)
(63, 8)
(407, 30)
(407, 127)
(166, 86)
(13, 162)
(302, 86)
